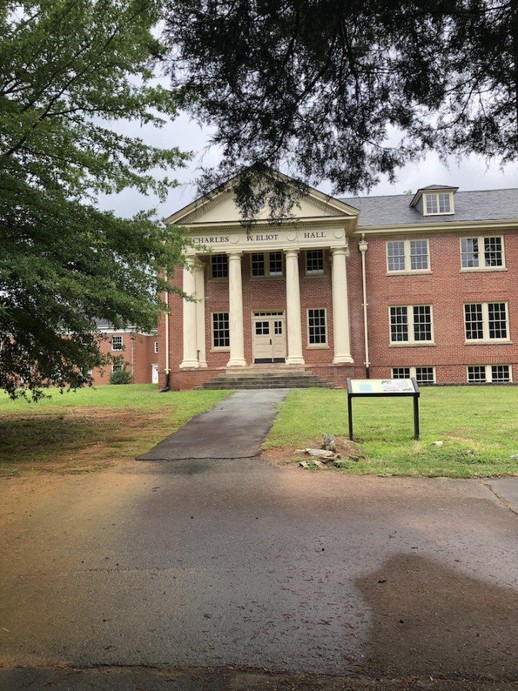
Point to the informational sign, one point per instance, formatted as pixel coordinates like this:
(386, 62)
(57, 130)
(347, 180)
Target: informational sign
(380, 386)
(383, 387)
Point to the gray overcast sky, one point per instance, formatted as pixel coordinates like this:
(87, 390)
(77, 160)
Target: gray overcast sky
(470, 174)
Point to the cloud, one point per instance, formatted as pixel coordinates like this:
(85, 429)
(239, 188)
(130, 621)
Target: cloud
(469, 174)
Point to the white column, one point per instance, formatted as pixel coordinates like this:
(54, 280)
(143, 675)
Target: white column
(235, 306)
(199, 281)
(342, 342)
(190, 350)
(293, 317)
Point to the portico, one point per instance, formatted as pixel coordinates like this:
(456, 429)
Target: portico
(264, 294)
(276, 324)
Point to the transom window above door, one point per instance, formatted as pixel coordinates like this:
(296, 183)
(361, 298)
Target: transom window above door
(266, 264)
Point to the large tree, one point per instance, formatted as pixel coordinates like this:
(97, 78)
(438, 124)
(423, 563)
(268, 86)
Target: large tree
(347, 91)
(71, 73)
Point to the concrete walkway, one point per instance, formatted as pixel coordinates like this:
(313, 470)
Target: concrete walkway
(233, 428)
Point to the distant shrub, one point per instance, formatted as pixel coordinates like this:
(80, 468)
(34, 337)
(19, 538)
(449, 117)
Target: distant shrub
(121, 376)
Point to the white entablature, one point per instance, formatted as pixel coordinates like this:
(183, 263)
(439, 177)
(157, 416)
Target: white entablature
(214, 223)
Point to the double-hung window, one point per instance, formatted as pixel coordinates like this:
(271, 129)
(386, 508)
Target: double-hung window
(219, 266)
(317, 327)
(411, 324)
(314, 262)
(482, 252)
(266, 264)
(486, 321)
(437, 203)
(220, 330)
(407, 256)
(117, 343)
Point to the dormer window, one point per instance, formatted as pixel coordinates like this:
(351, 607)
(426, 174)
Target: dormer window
(438, 203)
(435, 200)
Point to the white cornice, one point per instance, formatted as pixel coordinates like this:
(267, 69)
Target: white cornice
(452, 227)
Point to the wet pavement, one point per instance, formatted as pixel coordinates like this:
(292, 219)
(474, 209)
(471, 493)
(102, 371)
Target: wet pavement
(236, 574)
(233, 428)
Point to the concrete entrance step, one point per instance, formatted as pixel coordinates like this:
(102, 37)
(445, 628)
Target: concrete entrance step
(266, 379)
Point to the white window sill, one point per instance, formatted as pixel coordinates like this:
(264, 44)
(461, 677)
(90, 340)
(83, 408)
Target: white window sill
(411, 272)
(481, 269)
(490, 341)
(411, 344)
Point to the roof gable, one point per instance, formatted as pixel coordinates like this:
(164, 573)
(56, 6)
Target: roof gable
(220, 207)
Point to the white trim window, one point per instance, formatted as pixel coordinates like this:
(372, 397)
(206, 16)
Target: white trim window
(220, 331)
(482, 253)
(219, 266)
(317, 327)
(422, 375)
(486, 321)
(489, 374)
(437, 203)
(405, 256)
(411, 324)
(266, 264)
(314, 262)
(117, 366)
(155, 347)
(117, 343)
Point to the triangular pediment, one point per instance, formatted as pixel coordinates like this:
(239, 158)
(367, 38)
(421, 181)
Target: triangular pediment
(220, 207)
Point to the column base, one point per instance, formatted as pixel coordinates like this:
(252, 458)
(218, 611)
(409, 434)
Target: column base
(236, 363)
(190, 364)
(295, 360)
(342, 359)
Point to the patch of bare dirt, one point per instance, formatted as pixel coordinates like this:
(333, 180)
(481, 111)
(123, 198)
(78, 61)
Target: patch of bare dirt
(346, 449)
(76, 441)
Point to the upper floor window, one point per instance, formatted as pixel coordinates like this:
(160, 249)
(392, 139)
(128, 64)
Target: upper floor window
(436, 203)
(407, 255)
(482, 252)
(314, 262)
(155, 346)
(219, 266)
(117, 343)
(266, 264)
(486, 321)
(411, 324)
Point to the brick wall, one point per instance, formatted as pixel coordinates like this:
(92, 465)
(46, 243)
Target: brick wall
(137, 355)
(446, 288)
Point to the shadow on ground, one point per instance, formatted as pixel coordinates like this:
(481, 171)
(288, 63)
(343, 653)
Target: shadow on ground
(431, 620)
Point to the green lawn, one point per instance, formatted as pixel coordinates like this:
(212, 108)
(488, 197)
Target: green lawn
(92, 428)
(477, 425)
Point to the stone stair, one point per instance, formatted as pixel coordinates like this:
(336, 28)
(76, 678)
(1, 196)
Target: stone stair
(266, 379)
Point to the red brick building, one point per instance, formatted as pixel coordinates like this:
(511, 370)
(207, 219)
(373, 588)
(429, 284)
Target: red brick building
(138, 353)
(418, 285)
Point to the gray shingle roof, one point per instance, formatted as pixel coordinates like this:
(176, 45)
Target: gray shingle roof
(483, 205)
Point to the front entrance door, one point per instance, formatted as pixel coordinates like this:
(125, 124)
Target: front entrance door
(269, 338)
